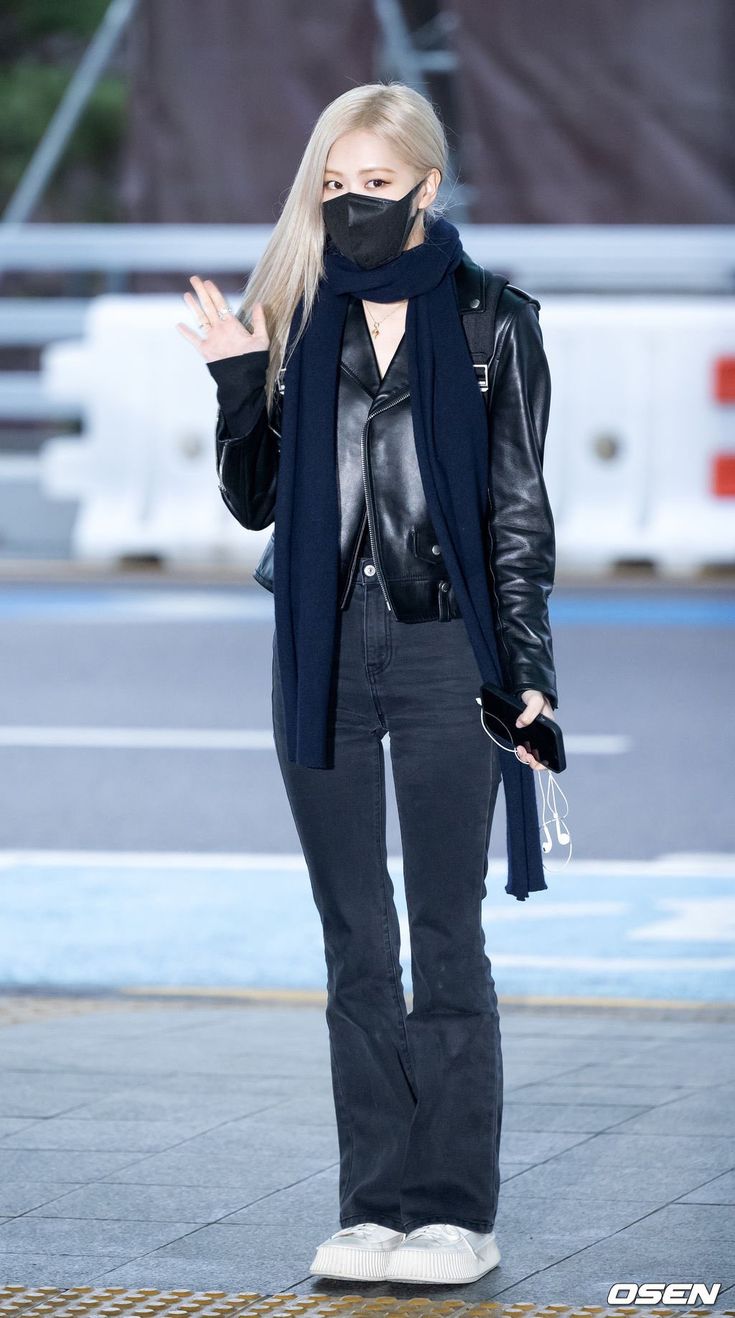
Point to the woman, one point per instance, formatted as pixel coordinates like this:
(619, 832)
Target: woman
(351, 416)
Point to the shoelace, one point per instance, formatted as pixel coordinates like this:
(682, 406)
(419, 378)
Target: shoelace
(442, 1231)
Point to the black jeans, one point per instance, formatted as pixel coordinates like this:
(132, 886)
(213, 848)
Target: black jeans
(418, 1095)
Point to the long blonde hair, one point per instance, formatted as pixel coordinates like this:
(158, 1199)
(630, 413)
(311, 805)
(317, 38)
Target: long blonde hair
(292, 263)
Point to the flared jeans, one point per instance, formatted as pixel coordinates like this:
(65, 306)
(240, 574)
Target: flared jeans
(418, 1094)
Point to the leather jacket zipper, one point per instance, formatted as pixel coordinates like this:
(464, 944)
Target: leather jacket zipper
(373, 540)
(351, 568)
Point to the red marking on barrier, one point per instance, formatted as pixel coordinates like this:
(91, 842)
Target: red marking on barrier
(724, 379)
(723, 475)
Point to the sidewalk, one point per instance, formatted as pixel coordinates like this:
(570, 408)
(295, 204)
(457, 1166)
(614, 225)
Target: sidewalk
(162, 1143)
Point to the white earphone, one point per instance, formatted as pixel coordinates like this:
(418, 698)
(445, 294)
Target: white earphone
(548, 797)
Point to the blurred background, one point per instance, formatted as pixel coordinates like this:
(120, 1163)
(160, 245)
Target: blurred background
(145, 836)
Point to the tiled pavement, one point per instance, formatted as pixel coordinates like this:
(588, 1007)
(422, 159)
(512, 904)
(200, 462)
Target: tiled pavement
(171, 1144)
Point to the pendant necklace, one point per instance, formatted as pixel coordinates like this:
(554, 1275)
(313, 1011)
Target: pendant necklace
(377, 323)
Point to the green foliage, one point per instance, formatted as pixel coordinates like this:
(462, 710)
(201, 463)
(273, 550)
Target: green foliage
(32, 19)
(42, 43)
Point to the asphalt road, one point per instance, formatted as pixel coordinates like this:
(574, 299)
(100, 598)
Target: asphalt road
(145, 835)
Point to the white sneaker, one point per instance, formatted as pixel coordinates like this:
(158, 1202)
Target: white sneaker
(357, 1253)
(441, 1252)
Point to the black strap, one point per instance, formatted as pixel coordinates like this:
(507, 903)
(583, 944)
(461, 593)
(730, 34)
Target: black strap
(479, 328)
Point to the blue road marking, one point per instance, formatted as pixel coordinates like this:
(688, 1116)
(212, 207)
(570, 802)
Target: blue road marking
(103, 604)
(133, 923)
(568, 607)
(636, 611)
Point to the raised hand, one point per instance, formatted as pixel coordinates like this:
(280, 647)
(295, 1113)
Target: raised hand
(223, 335)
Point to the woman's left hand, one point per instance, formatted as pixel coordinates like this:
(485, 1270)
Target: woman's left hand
(536, 703)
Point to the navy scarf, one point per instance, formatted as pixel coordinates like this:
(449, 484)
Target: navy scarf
(451, 436)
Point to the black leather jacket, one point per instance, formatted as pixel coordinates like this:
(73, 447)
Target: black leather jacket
(379, 480)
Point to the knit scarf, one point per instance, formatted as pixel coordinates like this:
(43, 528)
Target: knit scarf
(452, 445)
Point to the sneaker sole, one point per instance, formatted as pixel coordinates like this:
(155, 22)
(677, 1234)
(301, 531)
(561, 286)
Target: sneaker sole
(425, 1266)
(350, 1264)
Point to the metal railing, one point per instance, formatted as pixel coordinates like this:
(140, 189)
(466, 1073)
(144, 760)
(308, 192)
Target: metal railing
(595, 259)
(550, 257)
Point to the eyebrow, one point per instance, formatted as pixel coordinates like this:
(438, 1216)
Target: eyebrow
(371, 169)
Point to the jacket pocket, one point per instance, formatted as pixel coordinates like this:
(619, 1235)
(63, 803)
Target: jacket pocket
(424, 545)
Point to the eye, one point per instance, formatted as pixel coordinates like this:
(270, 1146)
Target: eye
(378, 180)
(332, 180)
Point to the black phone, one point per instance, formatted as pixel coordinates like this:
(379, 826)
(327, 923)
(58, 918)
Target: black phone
(500, 711)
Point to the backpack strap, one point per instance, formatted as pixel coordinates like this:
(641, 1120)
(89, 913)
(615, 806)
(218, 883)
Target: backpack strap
(479, 328)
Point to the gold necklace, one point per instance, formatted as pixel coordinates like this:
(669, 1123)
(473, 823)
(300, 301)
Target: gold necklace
(377, 323)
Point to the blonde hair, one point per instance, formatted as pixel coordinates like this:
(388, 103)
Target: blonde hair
(292, 263)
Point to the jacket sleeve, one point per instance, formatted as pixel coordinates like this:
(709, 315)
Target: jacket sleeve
(521, 525)
(246, 443)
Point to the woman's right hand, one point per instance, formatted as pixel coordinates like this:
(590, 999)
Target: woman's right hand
(226, 337)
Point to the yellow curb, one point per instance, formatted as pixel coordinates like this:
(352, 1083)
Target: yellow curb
(318, 996)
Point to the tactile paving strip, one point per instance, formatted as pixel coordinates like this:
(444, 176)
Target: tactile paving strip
(117, 1302)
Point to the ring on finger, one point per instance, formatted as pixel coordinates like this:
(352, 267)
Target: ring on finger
(224, 312)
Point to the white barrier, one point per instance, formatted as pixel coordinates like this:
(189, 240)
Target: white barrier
(635, 428)
(144, 469)
(633, 433)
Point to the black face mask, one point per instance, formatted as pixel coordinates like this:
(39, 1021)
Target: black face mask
(369, 230)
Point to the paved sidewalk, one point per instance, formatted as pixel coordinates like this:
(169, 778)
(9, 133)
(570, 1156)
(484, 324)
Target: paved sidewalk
(165, 1144)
